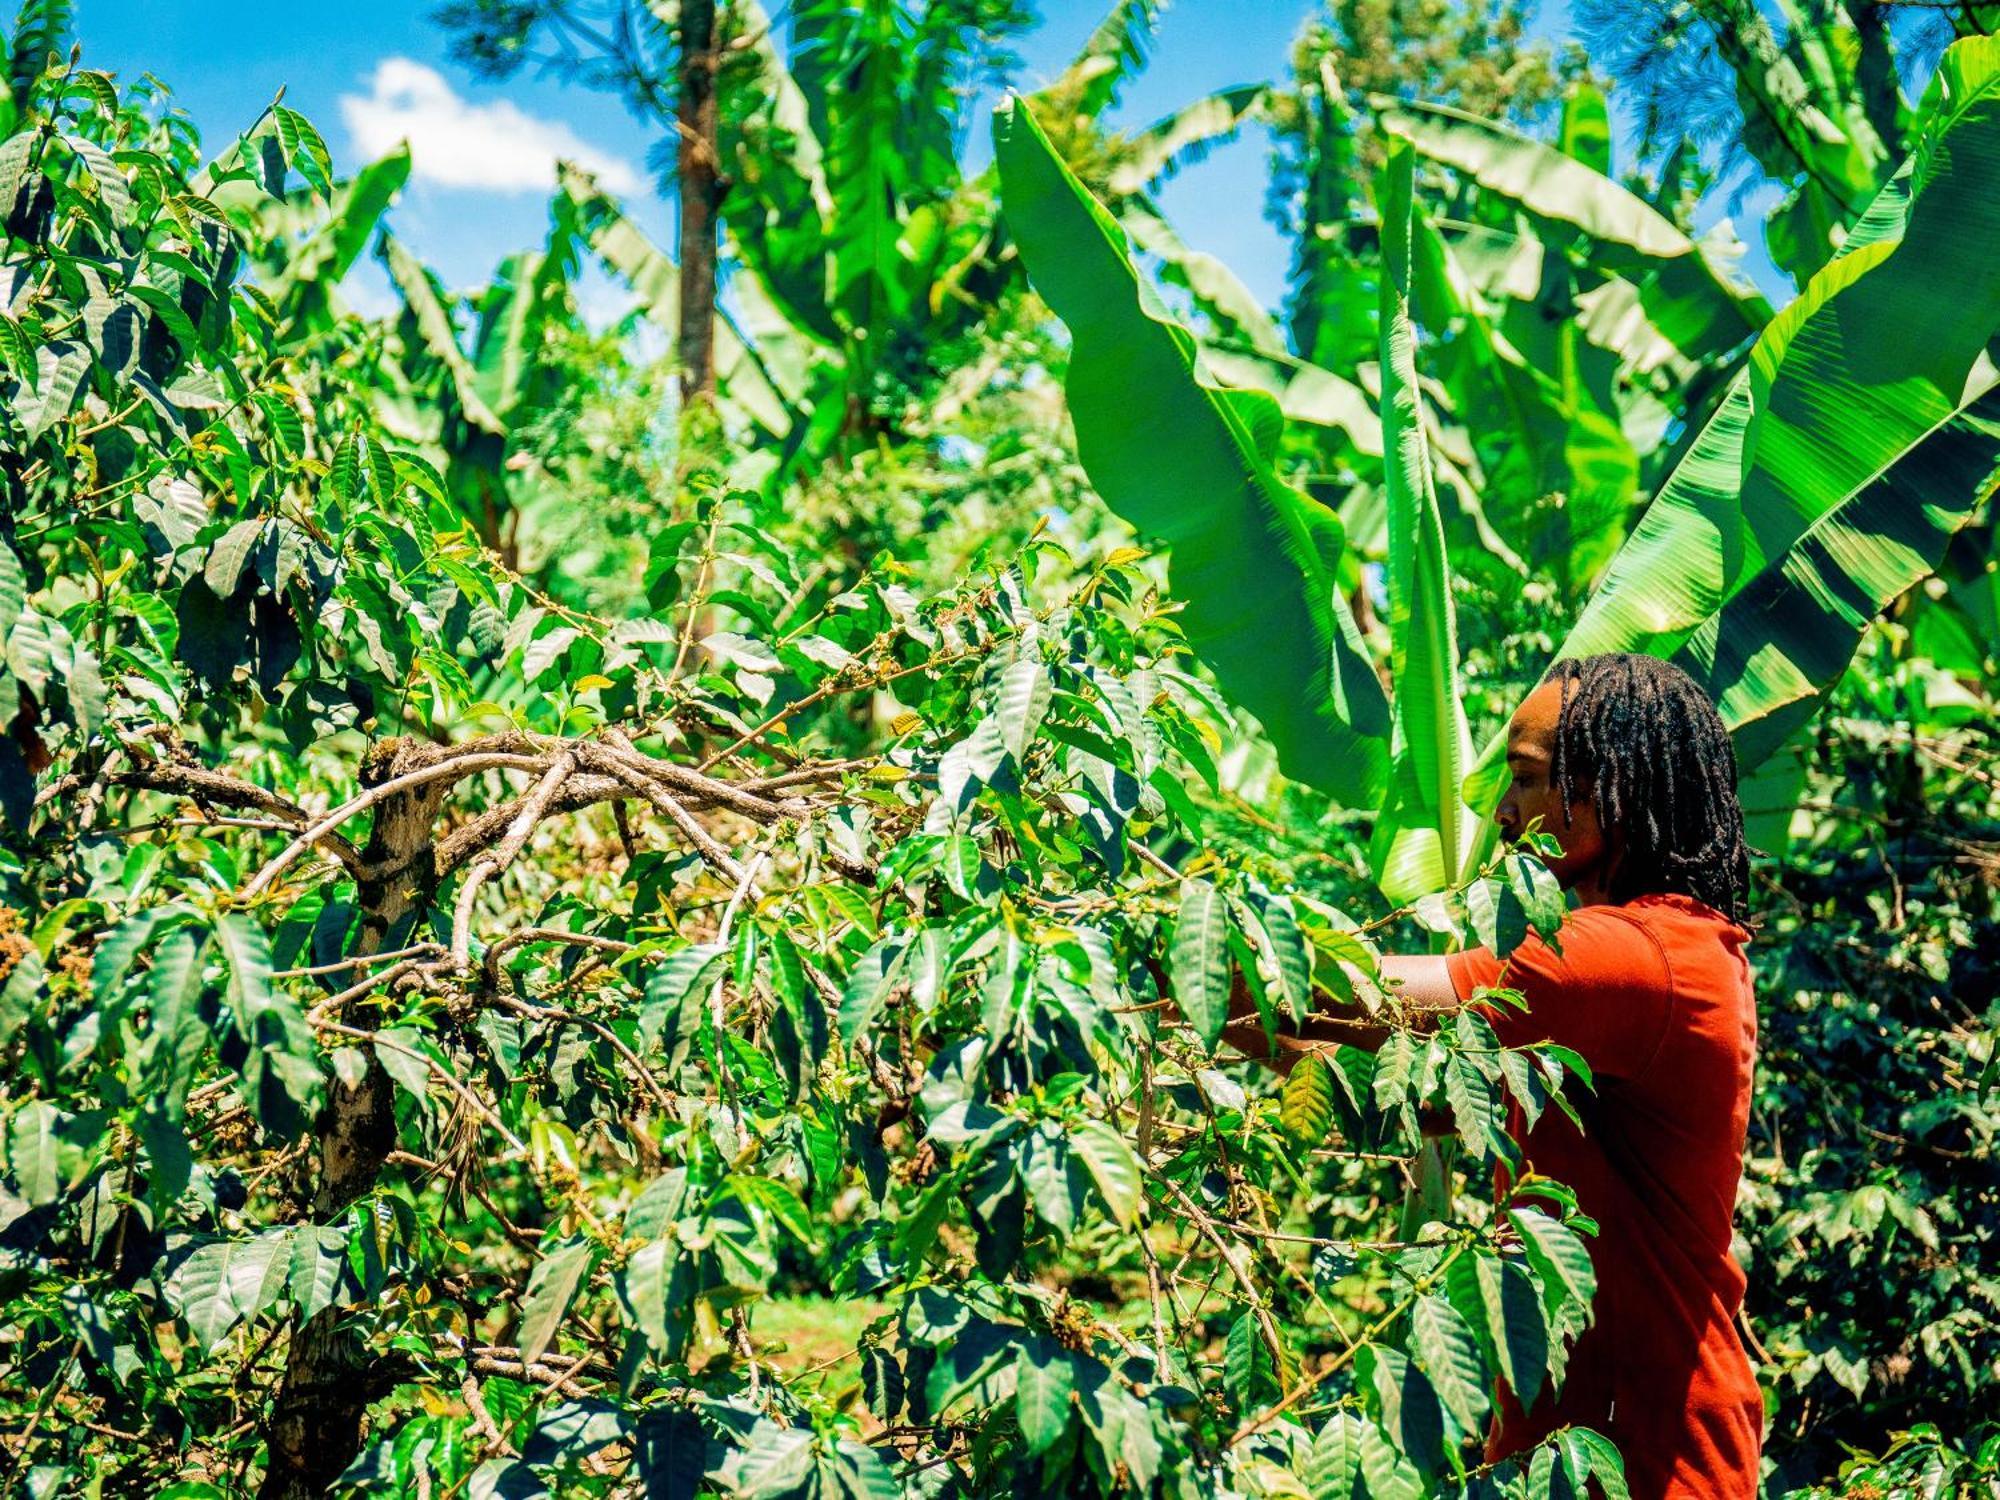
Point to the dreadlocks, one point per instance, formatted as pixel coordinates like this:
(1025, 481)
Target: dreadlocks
(1640, 738)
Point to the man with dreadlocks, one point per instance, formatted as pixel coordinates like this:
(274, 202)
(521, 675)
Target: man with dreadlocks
(1626, 763)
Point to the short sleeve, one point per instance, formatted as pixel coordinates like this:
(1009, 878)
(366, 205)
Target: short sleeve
(1607, 995)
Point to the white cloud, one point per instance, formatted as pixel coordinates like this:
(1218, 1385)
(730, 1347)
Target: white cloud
(455, 142)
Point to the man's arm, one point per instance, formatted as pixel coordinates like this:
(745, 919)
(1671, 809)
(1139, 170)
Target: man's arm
(1421, 981)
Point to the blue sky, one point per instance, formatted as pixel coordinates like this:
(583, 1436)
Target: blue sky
(369, 71)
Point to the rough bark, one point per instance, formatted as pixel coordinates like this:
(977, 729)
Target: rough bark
(699, 162)
(331, 1378)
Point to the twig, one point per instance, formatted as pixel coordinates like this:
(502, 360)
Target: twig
(705, 843)
(1206, 1227)
(360, 961)
(532, 807)
(466, 1096)
(499, 948)
(332, 1003)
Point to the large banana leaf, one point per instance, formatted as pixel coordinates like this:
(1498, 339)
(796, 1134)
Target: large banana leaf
(1537, 433)
(1865, 432)
(1254, 559)
(1421, 837)
(1687, 286)
(514, 311)
(1185, 136)
(1111, 54)
(439, 331)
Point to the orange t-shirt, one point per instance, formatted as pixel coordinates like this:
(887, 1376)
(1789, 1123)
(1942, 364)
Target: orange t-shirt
(1655, 995)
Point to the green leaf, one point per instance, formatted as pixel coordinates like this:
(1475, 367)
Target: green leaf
(59, 371)
(318, 1275)
(229, 556)
(1632, 235)
(1274, 928)
(645, 1291)
(1498, 1302)
(1424, 833)
(169, 1163)
(1043, 1382)
(1562, 1263)
(281, 1047)
(222, 1283)
(352, 216)
(959, 859)
(114, 191)
(402, 1051)
(1113, 1167)
(1256, 560)
(362, 469)
(1450, 1356)
(33, 1144)
(1333, 1469)
(1201, 959)
(1025, 690)
(17, 349)
(1188, 133)
(774, 1462)
(1388, 1474)
(674, 993)
(868, 986)
(1585, 133)
(1244, 1361)
(1588, 1456)
(304, 149)
(439, 332)
(1054, 1176)
(1475, 1107)
(1305, 1109)
(551, 1290)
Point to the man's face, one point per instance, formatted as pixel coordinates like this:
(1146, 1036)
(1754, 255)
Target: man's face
(1531, 791)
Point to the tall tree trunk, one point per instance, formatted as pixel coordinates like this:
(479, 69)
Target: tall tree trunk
(700, 190)
(331, 1378)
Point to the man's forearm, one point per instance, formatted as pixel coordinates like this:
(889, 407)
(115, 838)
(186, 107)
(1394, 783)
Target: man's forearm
(1420, 982)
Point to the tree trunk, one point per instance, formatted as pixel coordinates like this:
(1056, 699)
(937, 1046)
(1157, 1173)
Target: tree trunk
(331, 1377)
(700, 184)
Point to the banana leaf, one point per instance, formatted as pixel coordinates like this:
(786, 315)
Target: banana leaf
(1421, 837)
(439, 331)
(1185, 136)
(1687, 286)
(1191, 465)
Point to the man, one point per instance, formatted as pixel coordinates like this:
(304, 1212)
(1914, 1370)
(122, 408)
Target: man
(1624, 760)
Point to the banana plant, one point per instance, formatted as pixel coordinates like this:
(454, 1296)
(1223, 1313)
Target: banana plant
(1575, 325)
(1863, 433)
(1192, 463)
(1860, 435)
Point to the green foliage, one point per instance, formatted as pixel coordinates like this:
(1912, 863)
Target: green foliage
(549, 950)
